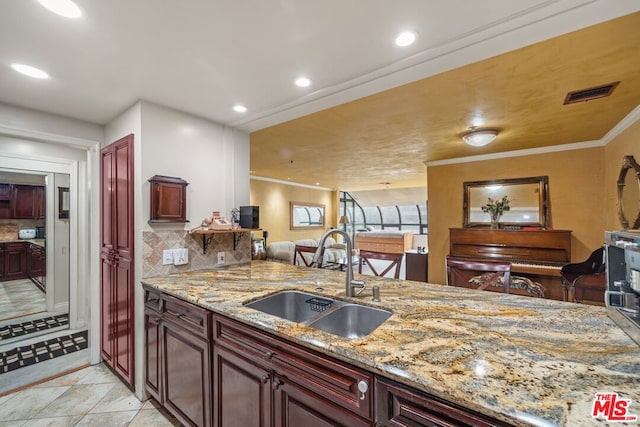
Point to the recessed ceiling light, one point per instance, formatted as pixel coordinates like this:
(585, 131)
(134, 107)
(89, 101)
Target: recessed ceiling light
(406, 38)
(303, 82)
(239, 108)
(30, 71)
(65, 8)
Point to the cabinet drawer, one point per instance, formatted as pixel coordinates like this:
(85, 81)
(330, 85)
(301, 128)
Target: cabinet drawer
(152, 299)
(336, 381)
(186, 315)
(398, 406)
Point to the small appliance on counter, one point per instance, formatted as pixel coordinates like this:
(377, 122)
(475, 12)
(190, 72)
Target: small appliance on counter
(27, 233)
(623, 273)
(40, 232)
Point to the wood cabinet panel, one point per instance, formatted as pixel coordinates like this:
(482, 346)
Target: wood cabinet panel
(153, 364)
(401, 406)
(297, 406)
(416, 263)
(2, 251)
(168, 199)
(15, 261)
(187, 375)
(23, 202)
(242, 391)
(116, 257)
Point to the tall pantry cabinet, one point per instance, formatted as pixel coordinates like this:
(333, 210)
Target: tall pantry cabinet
(116, 258)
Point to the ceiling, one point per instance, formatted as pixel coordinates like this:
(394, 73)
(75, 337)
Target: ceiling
(374, 112)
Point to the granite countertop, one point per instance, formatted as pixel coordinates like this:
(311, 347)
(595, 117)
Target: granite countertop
(524, 360)
(39, 242)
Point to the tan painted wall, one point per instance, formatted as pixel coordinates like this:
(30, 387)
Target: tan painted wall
(274, 198)
(627, 143)
(576, 190)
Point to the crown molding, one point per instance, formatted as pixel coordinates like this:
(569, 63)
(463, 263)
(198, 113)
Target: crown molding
(293, 184)
(629, 120)
(517, 153)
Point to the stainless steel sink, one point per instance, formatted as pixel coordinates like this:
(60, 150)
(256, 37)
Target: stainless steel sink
(333, 316)
(292, 305)
(352, 320)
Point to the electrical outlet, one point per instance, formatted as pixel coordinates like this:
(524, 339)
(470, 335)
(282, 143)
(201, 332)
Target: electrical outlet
(167, 257)
(220, 257)
(180, 256)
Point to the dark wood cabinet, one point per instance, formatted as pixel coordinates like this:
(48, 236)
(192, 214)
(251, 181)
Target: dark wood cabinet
(178, 357)
(39, 202)
(401, 406)
(294, 405)
(19, 201)
(2, 251)
(23, 202)
(15, 261)
(36, 265)
(168, 199)
(417, 266)
(116, 258)
(6, 191)
(242, 391)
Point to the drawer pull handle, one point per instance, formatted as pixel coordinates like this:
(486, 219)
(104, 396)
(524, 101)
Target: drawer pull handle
(363, 387)
(277, 383)
(181, 315)
(265, 378)
(270, 354)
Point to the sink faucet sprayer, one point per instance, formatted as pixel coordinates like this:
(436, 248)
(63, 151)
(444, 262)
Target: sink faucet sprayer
(351, 283)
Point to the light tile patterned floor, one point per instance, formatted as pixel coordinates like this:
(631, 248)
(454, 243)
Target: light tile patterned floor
(92, 396)
(20, 298)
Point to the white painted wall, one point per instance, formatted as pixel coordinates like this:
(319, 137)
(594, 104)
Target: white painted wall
(214, 160)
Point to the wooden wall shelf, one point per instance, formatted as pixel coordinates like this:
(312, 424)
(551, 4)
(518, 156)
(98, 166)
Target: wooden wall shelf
(207, 235)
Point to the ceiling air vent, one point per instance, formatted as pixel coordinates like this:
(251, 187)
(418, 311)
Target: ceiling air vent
(589, 94)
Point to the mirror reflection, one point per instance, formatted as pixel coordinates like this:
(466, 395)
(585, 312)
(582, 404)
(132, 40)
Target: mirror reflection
(306, 215)
(33, 300)
(629, 194)
(527, 196)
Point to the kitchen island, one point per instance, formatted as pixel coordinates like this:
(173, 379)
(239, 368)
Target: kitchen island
(521, 360)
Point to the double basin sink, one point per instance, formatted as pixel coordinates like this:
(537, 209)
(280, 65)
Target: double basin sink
(336, 317)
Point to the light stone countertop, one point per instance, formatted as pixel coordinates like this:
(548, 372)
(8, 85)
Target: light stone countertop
(39, 242)
(523, 360)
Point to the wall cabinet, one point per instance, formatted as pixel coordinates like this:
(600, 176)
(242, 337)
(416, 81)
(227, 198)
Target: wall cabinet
(28, 202)
(168, 199)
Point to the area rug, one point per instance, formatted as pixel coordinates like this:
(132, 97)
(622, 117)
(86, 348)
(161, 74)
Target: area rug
(24, 328)
(39, 352)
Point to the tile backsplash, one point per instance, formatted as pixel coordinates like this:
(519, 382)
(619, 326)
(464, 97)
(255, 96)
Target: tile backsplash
(157, 241)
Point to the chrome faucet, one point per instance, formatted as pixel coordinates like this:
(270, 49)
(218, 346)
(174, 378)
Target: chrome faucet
(350, 283)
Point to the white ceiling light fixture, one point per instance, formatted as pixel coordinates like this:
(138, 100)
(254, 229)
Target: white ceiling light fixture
(406, 38)
(239, 108)
(479, 137)
(65, 8)
(303, 82)
(30, 71)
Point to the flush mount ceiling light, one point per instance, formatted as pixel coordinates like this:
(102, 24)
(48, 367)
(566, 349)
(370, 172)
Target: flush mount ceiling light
(30, 71)
(65, 8)
(479, 137)
(406, 38)
(239, 108)
(303, 82)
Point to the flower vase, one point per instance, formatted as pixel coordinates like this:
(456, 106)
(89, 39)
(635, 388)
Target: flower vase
(495, 222)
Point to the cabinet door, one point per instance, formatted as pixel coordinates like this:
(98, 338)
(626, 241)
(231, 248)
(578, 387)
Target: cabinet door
(242, 392)
(15, 261)
(23, 201)
(152, 347)
(169, 203)
(2, 251)
(294, 406)
(5, 201)
(39, 202)
(186, 364)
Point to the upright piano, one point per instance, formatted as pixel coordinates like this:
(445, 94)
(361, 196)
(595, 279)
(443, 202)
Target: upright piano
(534, 254)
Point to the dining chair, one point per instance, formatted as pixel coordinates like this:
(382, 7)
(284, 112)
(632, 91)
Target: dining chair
(300, 250)
(395, 261)
(497, 276)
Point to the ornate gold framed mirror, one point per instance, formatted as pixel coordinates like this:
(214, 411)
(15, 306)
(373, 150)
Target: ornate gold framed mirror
(629, 194)
(528, 198)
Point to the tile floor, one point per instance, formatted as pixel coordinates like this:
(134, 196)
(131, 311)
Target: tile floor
(92, 396)
(20, 298)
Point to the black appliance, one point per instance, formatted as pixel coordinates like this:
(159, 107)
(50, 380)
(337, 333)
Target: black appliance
(623, 273)
(249, 217)
(40, 232)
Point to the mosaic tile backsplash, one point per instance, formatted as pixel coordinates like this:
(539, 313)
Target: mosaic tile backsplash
(157, 241)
